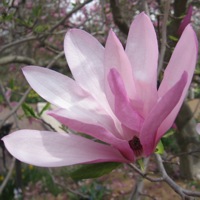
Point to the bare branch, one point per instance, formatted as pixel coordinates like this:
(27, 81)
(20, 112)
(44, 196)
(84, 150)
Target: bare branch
(18, 42)
(69, 15)
(117, 17)
(145, 175)
(16, 59)
(12, 165)
(16, 107)
(57, 182)
(27, 92)
(185, 194)
(55, 59)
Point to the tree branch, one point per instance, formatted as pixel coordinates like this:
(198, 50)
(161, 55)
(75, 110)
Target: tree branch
(164, 35)
(17, 59)
(145, 175)
(17, 42)
(69, 15)
(117, 17)
(185, 194)
(27, 92)
(12, 165)
(46, 33)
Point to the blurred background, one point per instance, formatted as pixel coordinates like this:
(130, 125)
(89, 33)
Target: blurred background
(32, 33)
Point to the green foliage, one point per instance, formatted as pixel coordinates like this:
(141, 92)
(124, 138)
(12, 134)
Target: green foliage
(173, 38)
(5, 3)
(40, 28)
(141, 164)
(25, 22)
(46, 107)
(33, 97)
(35, 174)
(94, 191)
(1, 99)
(169, 141)
(31, 174)
(169, 133)
(6, 17)
(37, 10)
(11, 84)
(93, 170)
(29, 111)
(8, 190)
(194, 183)
(160, 148)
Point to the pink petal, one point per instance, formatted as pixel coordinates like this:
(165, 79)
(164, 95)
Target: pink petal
(49, 149)
(142, 51)
(104, 132)
(93, 122)
(85, 58)
(161, 110)
(56, 88)
(123, 108)
(186, 20)
(183, 59)
(101, 129)
(115, 57)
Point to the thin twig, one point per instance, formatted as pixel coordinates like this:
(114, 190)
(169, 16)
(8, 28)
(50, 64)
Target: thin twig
(185, 194)
(8, 103)
(16, 59)
(2, 90)
(16, 107)
(12, 165)
(166, 178)
(27, 92)
(57, 182)
(69, 15)
(55, 59)
(18, 42)
(182, 154)
(46, 33)
(139, 183)
(145, 175)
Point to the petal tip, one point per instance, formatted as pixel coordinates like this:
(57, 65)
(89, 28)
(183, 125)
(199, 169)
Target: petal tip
(143, 16)
(189, 30)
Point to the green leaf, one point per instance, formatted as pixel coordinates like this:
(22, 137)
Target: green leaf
(46, 107)
(5, 3)
(37, 11)
(169, 133)
(160, 148)
(141, 164)
(173, 38)
(6, 17)
(11, 83)
(25, 22)
(28, 110)
(93, 170)
(40, 28)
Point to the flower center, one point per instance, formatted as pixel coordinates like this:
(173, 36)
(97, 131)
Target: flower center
(136, 146)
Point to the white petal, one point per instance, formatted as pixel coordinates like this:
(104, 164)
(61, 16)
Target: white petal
(49, 149)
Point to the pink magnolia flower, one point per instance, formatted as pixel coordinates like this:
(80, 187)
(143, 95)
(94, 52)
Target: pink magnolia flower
(114, 98)
(186, 20)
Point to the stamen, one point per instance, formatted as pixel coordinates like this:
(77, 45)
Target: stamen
(136, 146)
